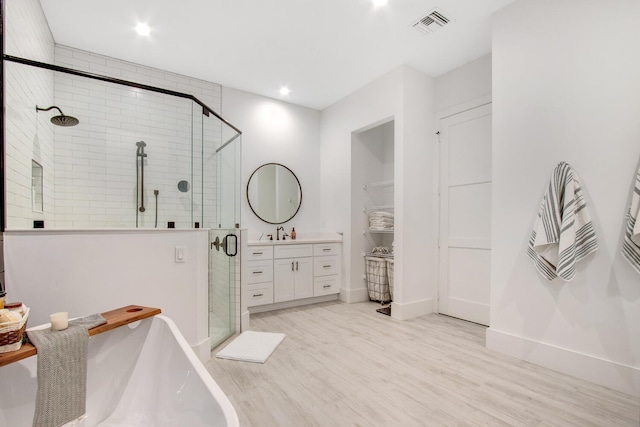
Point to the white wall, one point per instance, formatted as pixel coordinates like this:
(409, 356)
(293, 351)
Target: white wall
(469, 82)
(406, 96)
(277, 132)
(566, 87)
(86, 272)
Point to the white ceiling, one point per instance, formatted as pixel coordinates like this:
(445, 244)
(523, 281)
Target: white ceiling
(321, 49)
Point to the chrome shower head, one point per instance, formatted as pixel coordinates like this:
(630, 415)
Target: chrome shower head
(60, 120)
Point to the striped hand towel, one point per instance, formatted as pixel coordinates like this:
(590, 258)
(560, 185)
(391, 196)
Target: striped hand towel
(631, 243)
(563, 233)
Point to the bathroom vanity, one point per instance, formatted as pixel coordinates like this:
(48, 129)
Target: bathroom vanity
(292, 271)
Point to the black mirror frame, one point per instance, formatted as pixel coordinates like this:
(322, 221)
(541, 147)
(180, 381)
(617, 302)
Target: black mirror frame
(249, 200)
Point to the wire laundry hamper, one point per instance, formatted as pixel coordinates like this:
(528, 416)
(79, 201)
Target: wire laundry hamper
(390, 276)
(377, 280)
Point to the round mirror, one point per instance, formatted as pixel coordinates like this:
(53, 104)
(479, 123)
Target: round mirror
(274, 193)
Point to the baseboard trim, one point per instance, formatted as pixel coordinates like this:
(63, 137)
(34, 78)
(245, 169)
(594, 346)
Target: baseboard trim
(203, 350)
(600, 371)
(354, 295)
(412, 309)
(292, 303)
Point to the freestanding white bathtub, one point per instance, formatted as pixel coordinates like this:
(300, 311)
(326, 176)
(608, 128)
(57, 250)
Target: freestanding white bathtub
(142, 374)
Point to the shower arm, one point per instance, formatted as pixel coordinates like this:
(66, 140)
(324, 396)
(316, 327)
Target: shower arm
(50, 108)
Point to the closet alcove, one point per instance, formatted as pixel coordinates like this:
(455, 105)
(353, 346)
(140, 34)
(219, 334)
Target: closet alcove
(372, 180)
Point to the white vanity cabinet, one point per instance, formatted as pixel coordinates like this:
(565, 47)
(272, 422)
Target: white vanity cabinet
(292, 272)
(259, 275)
(326, 268)
(289, 271)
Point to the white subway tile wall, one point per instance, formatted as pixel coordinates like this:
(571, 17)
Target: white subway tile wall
(29, 135)
(95, 161)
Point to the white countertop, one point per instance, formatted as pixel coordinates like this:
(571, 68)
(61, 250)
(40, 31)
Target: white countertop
(300, 238)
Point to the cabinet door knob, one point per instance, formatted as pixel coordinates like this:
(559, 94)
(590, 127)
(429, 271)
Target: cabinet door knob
(292, 266)
(257, 272)
(326, 286)
(258, 295)
(326, 266)
(296, 265)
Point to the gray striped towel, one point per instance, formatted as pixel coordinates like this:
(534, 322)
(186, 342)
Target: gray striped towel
(563, 233)
(62, 371)
(631, 243)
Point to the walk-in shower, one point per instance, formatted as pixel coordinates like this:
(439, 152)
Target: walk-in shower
(89, 180)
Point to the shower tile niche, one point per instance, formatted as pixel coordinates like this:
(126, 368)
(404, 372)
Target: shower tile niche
(37, 199)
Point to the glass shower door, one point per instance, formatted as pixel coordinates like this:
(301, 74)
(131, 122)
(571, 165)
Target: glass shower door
(222, 167)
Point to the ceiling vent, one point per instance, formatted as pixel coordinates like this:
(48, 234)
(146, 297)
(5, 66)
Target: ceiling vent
(432, 22)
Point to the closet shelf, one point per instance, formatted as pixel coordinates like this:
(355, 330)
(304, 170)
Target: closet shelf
(377, 208)
(388, 183)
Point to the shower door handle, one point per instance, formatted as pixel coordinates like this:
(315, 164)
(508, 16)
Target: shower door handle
(230, 239)
(225, 244)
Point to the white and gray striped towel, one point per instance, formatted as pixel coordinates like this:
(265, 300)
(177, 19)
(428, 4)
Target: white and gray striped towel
(631, 243)
(62, 371)
(563, 233)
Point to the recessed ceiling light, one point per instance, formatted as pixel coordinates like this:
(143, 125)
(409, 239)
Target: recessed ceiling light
(378, 3)
(143, 29)
(284, 91)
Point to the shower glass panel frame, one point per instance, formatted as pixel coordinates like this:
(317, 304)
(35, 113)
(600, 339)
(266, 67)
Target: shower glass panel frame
(185, 140)
(102, 151)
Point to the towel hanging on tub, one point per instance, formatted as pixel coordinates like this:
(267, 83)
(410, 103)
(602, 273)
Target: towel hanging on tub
(563, 233)
(631, 243)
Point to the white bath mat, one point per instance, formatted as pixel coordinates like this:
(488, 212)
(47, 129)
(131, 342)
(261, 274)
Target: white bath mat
(251, 346)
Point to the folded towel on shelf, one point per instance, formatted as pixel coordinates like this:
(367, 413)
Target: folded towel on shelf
(62, 371)
(631, 243)
(563, 233)
(381, 225)
(381, 214)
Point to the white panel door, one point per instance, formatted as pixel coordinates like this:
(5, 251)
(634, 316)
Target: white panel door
(465, 215)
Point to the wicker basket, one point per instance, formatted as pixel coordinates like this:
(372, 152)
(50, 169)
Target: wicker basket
(377, 282)
(390, 276)
(12, 333)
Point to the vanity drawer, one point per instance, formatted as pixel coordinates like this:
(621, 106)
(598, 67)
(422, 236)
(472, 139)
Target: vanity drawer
(259, 294)
(321, 249)
(326, 285)
(326, 265)
(259, 252)
(292, 251)
(259, 271)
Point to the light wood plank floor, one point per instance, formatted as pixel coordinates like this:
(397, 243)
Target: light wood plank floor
(346, 365)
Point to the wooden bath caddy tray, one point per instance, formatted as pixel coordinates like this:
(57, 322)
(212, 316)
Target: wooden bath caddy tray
(115, 318)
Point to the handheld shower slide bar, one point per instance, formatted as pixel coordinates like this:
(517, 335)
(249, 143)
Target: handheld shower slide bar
(140, 155)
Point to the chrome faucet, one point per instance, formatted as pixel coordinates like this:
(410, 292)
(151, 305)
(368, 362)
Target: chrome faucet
(278, 232)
